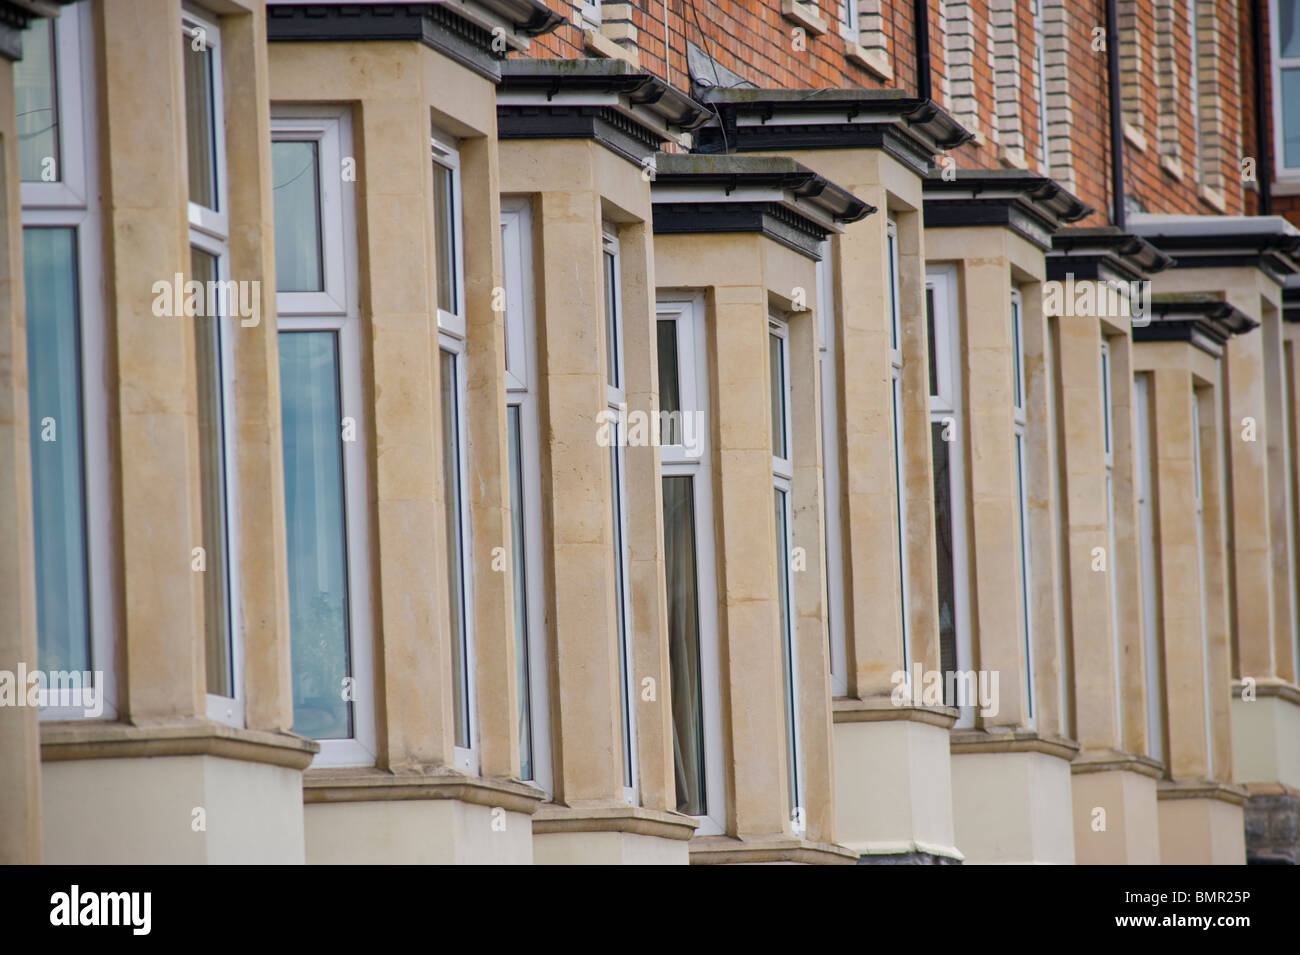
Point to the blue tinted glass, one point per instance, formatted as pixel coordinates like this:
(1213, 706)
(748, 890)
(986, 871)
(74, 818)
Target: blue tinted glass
(1291, 118)
(316, 534)
(58, 490)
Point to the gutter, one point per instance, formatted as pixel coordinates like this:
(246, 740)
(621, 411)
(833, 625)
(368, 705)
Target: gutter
(1264, 168)
(1116, 116)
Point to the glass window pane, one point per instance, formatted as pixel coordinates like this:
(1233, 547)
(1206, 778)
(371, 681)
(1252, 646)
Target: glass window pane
(684, 643)
(212, 476)
(616, 474)
(670, 400)
(1288, 41)
(893, 292)
(611, 320)
(58, 488)
(518, 529)
(776, 360)
(1022, 514)
(296, 178)
(934, 348)
(944, 558)
(1105, 397)
(200, 122)
(451, 496)
(37, 106)
(787, 646)
(445, 218)
(1017, 372)
(1291, 118)
(316, 534)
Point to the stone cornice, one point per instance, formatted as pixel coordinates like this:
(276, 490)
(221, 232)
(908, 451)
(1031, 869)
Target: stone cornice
(966, 741)
(93, 739)
(1201, 789)
(882, 709)
(725, 850)
(638, 820)
(375, 785)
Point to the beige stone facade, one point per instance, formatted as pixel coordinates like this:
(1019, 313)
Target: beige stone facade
(587, 468)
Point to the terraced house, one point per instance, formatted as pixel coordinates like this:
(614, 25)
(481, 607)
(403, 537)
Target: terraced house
(566, 431)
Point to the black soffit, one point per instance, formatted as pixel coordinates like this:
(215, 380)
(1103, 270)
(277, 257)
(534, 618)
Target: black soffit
(1203, 322)
(462, 30)
(1034, 207)
(775, 196)
(1103, 253)
(626, 109)
(911, 130)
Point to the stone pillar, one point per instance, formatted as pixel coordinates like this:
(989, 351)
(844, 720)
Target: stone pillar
(20, 784)
(264, 580)
(489, 485)
(645, 525)
(146, 195)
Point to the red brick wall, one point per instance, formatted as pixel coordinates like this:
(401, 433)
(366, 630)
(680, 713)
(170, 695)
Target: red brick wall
(753, 39)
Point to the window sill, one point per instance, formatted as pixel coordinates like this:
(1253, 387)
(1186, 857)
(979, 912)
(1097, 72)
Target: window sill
(1134, 136)
(600, 45)
(665, 824)
(798, 13)
(1214, 198)
(874, 61)
(1285, 187)
(724, 850)
(1172, 167)
(93, 739)
(378, 785)
(1012, 158)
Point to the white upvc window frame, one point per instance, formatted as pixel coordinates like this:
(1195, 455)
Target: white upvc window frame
(209, 232)
(212, 222)
(452, 339)
(946, 410)
(616, 402)
(850, 20)
(688, 316)
(446, 154)
(1281, 172)
(783, 481)
(465, 757)
(1020, 389)
(590, 14)
(324, 127)
(1108, 440)
(72, 203)
(522, 393)
(331, 128)
(75, 98)
(896, 424)
(826, 360)
(1145, 473)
